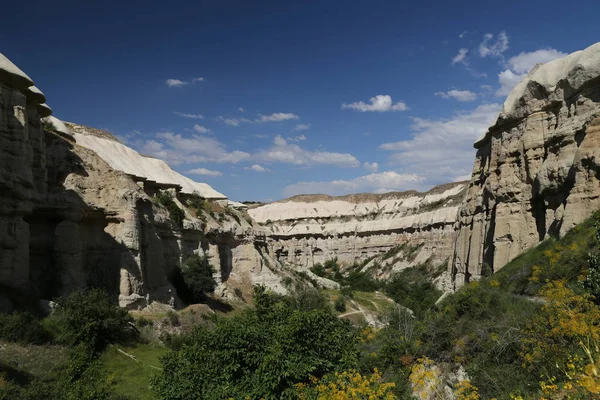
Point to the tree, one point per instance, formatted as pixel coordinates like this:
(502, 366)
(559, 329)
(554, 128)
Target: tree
(262, 353)
(198, 276)
(90, 318)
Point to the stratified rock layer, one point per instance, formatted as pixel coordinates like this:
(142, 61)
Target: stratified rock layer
(537, 169)
(309, 229)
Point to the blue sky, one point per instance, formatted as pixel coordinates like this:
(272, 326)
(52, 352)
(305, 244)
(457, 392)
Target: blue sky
(263, 100)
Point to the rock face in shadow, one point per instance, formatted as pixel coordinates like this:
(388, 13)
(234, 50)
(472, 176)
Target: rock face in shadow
(537, 169)
(68, 220)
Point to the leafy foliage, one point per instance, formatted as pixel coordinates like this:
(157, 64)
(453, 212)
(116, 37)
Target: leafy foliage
(412, 289)
(22, 327)
(347, 385)
(90, 318)
(340, 304)
(198, 276)
(592, 278)
(176, 214)
(262, 353)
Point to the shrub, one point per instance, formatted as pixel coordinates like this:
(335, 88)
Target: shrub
(318, 270)
(340, 304)
(306, 298)
(238, 293)
(347, 291)
(173, 318)
(196, 202)
(198, 276)
(411, 289)
(176, 214)
(143, 322)
(592, 278)
(347, 385)
(22, 327)
(90, 318)
(268, 350)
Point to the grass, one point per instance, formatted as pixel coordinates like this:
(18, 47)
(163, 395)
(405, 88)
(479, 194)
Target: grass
(38, 361)
(130, 377)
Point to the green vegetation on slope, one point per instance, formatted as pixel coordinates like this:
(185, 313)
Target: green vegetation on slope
(529, 331)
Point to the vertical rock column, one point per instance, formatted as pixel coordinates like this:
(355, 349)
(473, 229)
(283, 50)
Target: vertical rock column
(16, 180)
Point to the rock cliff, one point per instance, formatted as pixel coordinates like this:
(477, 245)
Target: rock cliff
(78, 209)
(309, 229)
(537, 169)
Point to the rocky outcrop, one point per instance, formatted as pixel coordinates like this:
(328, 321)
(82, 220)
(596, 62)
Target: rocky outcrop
(79, 209)
(309, 229)
(537, 169)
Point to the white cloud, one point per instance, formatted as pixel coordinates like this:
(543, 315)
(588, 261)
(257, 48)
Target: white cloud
(261, 136)
(175, 83)
(507, 80)
(380, 182)
(201, 129)
(203, 171)
(256, 168)
(487, 88)
(284, 152)
(495, 49)
(460, 95)
(199, 79)
(276, 117)
(462, 35)
(177, 149)
(371, 167)
(441, 150)
(460, 57)
(241, 109)
(233, 121)
(302, 127)
(520, 65)
(379, 103)
(298, 138)
(191, 116)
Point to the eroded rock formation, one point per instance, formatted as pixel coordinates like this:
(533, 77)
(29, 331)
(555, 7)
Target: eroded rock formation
(310, 229)
(72, 217)
(537, 169)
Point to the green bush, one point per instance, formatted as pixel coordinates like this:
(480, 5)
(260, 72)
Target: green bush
(261, 353)
(340, 304)
(347, 291)
(90, 318)
(318, 270)
(173, 318)
(22, 327)
(358, 280)
(592, 277)
(198, 276)
(306, 298)
(176, 214)
(196, 202)
(413, 290)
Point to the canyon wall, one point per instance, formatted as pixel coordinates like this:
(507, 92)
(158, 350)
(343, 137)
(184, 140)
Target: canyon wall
(537, 169)
(71, 217)
(309, 229)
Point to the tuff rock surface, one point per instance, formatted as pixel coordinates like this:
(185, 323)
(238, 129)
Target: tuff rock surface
(70, 218)
(537, 169)
(309, 229)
